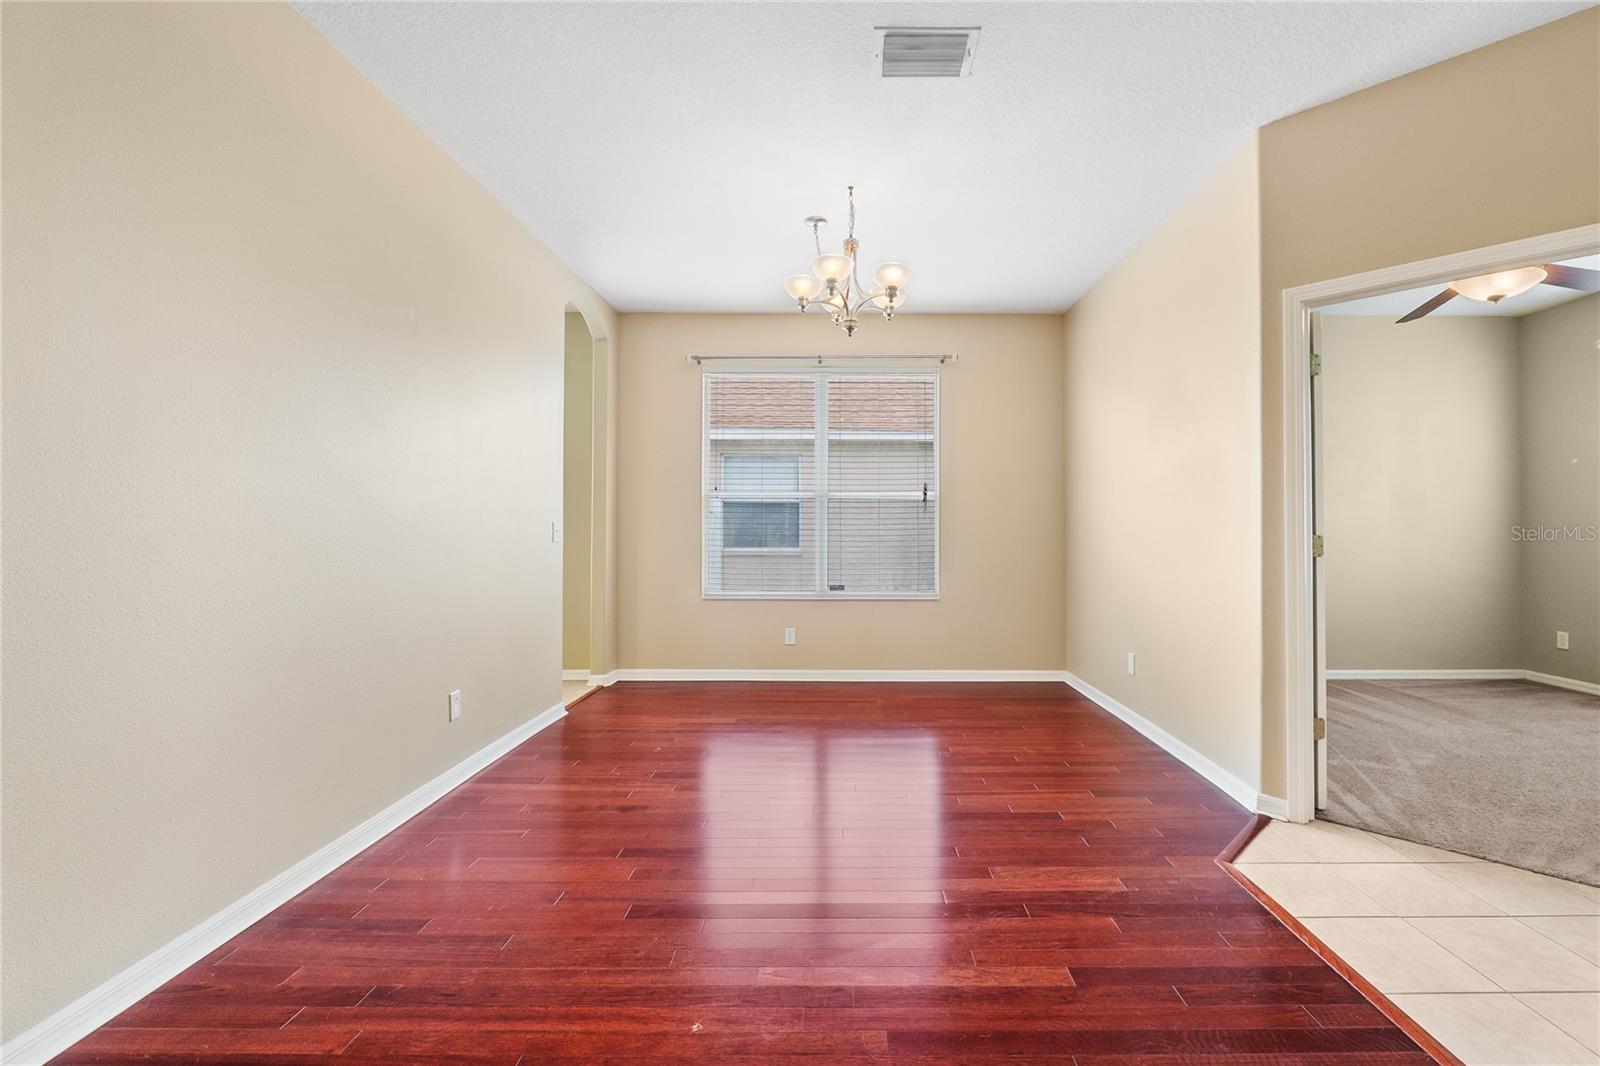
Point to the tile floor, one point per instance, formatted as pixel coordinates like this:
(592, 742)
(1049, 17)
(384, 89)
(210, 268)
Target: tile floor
(1501, 965)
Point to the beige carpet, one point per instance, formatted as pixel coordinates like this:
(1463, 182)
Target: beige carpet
(1503, 770)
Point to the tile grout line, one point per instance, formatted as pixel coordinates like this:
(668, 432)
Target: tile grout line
(1518, 920)
(1411, 922)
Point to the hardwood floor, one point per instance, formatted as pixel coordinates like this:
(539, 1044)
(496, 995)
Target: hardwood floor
(740, 873)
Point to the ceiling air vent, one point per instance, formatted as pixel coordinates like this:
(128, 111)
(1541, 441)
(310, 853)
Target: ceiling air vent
(927, 51)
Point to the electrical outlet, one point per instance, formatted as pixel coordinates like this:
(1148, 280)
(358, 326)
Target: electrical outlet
(1130, 664)
(788, 635)
(455, 705)
(1563, 641)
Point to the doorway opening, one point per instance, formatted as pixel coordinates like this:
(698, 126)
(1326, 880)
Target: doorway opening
(578, 497)
(1449, 598)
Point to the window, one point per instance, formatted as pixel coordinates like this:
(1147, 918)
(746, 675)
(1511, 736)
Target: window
(820, 485)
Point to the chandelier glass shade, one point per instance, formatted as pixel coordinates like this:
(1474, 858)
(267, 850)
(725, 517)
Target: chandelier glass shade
(834, 285)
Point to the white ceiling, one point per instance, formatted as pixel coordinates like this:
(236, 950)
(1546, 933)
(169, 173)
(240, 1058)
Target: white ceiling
(1396, 304)
(668, 151)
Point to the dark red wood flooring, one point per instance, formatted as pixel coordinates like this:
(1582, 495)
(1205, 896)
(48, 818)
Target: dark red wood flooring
(740, 873)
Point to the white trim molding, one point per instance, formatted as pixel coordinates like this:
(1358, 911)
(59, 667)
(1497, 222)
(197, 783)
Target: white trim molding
(1272, 806)
(1298, 697)
(1240, 791)
(836, 676)
(1562, 682)
(1427, 675)
(1467, 675)
(649, 674)
(93, 1009)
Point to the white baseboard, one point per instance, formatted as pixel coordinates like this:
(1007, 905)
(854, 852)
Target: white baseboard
(1272, 806)
(647, 674)
(1241, 792)
(574, 675)
(1466, 675)
(1427, 675)
(602, 680)
(93, 1009)
(1563, 682)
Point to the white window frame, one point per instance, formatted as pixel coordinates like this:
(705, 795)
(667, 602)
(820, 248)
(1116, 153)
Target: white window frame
(819, 490)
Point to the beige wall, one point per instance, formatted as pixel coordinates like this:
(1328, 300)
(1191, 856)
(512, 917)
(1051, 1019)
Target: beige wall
(1560, 391)
(577, 494)
(1001, 484)
(1162, 539)
(282, 434)
(1421, 488)
(1491, 146)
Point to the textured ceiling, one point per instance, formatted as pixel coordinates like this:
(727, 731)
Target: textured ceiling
(668, 151)
(1537, 298)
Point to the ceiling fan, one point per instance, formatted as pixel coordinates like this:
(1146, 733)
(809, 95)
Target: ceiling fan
(1492, 288)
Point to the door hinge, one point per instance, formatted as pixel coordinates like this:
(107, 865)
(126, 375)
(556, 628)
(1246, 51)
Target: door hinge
(1316, 545)
(1319, 729)
(1316, 364)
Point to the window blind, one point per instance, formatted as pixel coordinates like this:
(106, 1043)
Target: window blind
(821, 484)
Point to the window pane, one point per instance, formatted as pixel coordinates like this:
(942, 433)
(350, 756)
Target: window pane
(759, 472)
(883, 493)
(760, 508)
(772, 550)
(747, 524)
(879, 466)
(769, 402)
(881, 546)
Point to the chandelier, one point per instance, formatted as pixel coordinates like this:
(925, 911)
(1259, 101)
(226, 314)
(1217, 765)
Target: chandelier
(834, 287)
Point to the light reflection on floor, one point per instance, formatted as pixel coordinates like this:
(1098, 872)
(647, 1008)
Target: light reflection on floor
(825, 818)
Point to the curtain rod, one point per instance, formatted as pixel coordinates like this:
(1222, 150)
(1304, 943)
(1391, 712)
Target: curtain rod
(942, 358)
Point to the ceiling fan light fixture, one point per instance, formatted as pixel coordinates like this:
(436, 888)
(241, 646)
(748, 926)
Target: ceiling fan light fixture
(1492, 288)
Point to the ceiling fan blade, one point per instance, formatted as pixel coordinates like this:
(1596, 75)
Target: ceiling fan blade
(1580, 278)
(1432, 305)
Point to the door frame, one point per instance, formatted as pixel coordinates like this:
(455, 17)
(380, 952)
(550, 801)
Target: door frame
(1302, 671)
